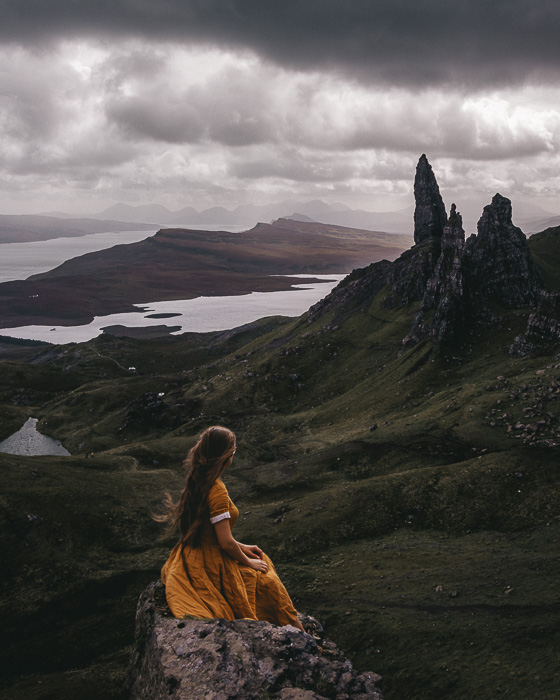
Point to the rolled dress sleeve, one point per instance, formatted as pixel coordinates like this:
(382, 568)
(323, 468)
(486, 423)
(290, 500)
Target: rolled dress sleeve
(218, 502)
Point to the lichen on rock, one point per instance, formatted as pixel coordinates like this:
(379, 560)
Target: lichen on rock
(244, 659)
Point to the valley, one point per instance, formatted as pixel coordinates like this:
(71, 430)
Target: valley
(401, 472)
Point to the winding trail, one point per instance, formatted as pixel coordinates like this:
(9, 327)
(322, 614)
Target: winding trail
(126, 369)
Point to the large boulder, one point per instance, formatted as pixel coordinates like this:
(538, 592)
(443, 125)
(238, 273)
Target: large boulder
(177, 659)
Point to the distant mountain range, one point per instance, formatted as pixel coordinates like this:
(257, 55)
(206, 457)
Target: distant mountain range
(249, 214)
(531, 217)
(542, 224)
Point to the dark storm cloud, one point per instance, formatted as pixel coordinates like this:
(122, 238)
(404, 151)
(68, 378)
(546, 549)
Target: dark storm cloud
(230, 108)
(403, 42)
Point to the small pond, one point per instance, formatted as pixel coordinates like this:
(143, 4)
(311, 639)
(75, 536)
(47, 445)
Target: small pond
(30, 442)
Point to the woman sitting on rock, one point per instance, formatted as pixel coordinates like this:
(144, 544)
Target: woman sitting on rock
(209, 574)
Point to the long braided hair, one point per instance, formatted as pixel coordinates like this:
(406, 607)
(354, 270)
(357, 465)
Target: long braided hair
(204, 464)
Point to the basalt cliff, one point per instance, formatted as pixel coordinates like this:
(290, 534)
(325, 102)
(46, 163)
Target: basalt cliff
(457, 285)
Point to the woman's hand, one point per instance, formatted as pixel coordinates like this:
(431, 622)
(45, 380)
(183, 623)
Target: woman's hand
(258, 565)
(252, 551)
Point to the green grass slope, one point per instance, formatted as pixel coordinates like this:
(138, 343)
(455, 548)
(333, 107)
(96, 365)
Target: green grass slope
(545, 247)
(410, 501)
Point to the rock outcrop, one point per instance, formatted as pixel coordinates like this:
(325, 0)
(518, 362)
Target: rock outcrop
(499, 264)
(217, 660)
(429, 214)
(459, 285)
(493, 268)
(409, 274)
(403, 281)
(442, 311)
(543, 327)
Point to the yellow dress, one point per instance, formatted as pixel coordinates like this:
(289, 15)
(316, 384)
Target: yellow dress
(211, 584)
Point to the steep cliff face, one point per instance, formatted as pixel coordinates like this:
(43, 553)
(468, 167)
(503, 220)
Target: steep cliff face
(429, 214)
(409, 274)
(357, 288)
(219, 660)
(494, 268)
(442, 310)
(460, 285)
(403, 281)
(498, 261)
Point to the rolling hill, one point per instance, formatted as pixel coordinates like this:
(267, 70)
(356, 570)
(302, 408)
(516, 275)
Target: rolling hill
(183, 264)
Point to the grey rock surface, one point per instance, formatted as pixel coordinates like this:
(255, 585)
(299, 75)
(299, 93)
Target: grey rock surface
(543, 327)
(244, 659)
(494, 267)
(443, 300)
(429, 214)
(499, 263)
(457, 284)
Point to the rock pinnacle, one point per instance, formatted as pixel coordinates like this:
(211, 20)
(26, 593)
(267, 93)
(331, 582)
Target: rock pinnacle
(430, 216)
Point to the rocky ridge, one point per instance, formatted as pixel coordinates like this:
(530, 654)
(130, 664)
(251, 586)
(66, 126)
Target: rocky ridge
(498, 262)
(459, 284)
(244, 659)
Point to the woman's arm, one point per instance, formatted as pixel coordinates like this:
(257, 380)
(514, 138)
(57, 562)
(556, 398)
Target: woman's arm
(252, 551)
(235, 550)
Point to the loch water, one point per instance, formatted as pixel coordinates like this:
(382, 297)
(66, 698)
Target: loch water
(198, 315)
(29, 442)
(20, 260)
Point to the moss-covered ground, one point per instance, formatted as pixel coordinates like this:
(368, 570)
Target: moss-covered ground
(401, 502)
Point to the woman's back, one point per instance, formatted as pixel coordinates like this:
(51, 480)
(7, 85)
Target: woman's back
(208, 573)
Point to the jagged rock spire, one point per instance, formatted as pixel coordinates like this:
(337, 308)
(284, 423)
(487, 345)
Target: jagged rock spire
(430, 216)
(460, 284)
(442, 314)
(500, 264)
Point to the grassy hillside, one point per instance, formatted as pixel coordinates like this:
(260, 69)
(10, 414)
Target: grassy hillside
(410, 500)
(545, 247)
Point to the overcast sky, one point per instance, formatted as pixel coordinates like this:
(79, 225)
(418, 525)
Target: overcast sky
(225, 102)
